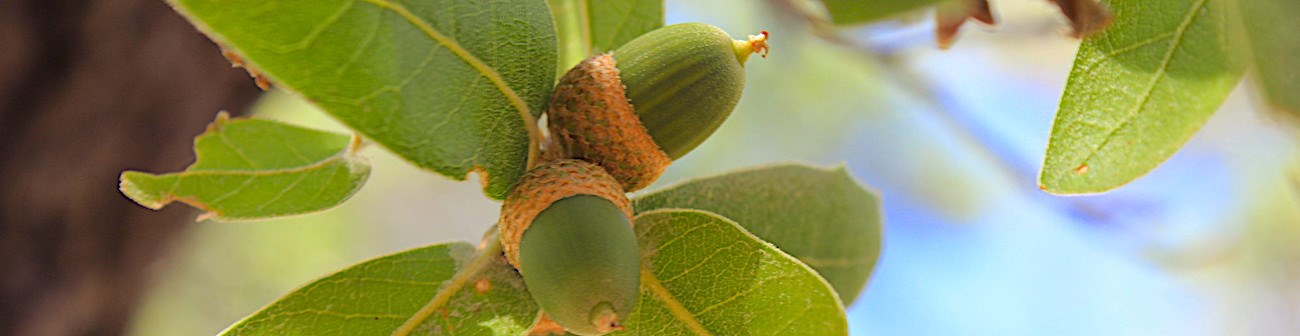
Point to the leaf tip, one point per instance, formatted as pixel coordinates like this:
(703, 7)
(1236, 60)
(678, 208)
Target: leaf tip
(1065, 187)
(153, 192)
(130, 185)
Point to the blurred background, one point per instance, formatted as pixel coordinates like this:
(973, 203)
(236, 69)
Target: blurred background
(1207, 244)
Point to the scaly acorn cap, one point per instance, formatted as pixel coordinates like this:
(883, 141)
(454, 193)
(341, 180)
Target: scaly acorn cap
(546, 184)
(590, 118)
(566, 226)
(650, 101)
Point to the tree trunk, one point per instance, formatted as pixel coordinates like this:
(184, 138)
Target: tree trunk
(89, 89)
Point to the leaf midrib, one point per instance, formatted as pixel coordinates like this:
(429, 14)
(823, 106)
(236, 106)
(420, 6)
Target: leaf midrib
(456, 49)
(169, 196)
(649, 281)
(1159, 75)
(477, 265)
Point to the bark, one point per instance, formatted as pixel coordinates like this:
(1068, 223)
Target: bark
(89, 89)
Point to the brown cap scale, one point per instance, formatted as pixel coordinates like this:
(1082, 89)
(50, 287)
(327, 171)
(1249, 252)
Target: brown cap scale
(590, 118)
(566, 226)
(546, 184)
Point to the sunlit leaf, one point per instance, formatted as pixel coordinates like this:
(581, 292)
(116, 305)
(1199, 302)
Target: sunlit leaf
(249, 169)
(445, 289)
(701, 274)
(587, 27)
(704, 275)
(1138, 92)
(823, 217)
(446, 84)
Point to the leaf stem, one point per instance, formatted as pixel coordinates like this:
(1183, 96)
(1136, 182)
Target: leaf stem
(584, 28)
(535, 139)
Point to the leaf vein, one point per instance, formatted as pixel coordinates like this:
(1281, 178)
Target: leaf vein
(751, 289)
(481, 261)
(238, 152)
(674, 307)
(482, 68)
(285, 191)
(701, 262)
(1160, 74)
(314, 33)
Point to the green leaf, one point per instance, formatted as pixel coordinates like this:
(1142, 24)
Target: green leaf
(446, 84)
(1138, 92)
(701, 274)
(587, 27)
(1271, 28)
(823, 217)
(851, 12)
(248, 169)
(704, 275)
(445, 289)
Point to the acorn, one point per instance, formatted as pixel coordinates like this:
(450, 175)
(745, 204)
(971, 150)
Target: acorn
(567, 227)
(651, 101)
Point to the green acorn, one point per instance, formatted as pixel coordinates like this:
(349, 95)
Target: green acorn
(650, 101)
(567, 228)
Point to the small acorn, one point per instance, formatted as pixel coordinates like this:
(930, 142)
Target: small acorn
(650, 101)
(566, 226)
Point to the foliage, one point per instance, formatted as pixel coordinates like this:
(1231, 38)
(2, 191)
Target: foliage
(455, 86)
(1142, 88)
(825, 220)
(450, 289)
(249, 169)
(1138, 92)
(441, 83)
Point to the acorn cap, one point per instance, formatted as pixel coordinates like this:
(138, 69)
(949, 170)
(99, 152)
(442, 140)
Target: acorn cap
(590, 118)
(567, 227)
(543, 186)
